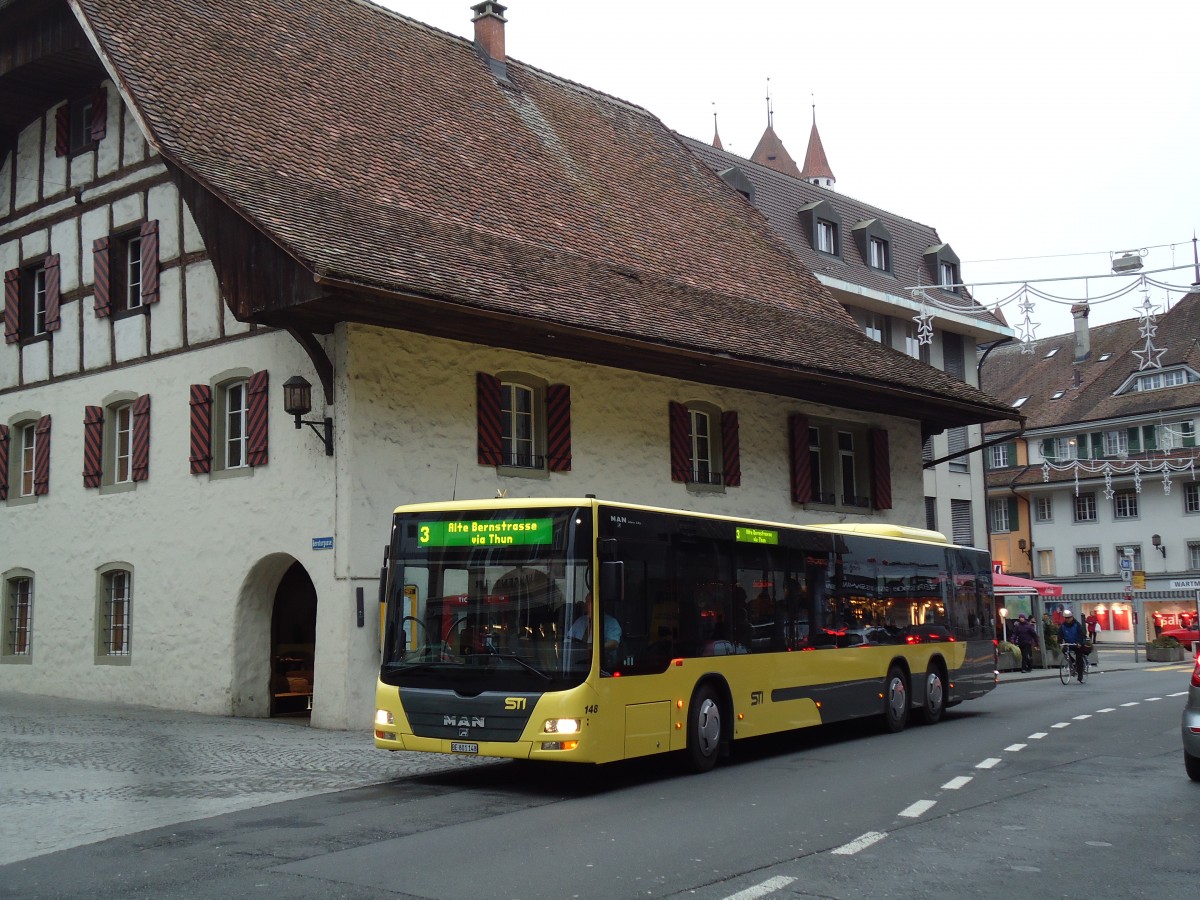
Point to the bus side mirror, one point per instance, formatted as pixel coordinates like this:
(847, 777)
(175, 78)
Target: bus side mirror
(606, 549)
(383, 576)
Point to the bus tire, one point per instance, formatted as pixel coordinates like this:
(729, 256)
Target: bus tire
(934, 704)
(895, 700)
(703, 729)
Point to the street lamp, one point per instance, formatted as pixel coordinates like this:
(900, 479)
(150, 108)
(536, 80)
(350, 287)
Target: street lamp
(1156, 540)
(297, 401)
(1004, 623)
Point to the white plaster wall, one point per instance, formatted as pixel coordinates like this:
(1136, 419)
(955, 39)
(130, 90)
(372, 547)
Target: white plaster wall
(203, 317)
(29, 152)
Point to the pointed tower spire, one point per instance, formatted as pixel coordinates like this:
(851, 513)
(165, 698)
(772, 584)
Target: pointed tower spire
(770, 151)
(816, 165)
(716, 132)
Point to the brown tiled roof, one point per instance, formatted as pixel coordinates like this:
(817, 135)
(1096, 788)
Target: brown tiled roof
(771, 153)
(780, 197)
(1089, 385)
(382, 153)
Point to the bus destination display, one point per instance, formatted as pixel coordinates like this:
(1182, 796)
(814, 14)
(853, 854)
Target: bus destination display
(757, 536)
(484, 533)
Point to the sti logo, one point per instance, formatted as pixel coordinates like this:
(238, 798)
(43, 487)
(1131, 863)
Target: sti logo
(514, 702)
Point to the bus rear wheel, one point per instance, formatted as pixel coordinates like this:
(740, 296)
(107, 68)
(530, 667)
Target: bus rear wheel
(934, 705)
(895, 700)
(704, 730)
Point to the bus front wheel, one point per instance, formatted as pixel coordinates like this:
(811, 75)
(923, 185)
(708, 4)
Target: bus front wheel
(704, 730)
(895, 700)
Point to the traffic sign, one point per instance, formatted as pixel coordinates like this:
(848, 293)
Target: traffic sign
(1126, 564)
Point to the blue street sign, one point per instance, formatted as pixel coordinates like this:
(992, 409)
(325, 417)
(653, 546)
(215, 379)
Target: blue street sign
(323, 543)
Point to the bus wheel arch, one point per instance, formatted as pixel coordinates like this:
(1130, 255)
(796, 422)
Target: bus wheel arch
(897, 696)
(933, 699)
(709, 724)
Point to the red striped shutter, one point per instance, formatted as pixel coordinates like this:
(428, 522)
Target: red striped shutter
(141, 438)
(680, 445)
(801, 463)
(881, 469)
(149, 234)
(3, 462)
(201, 428)
(256, 416)
(93, 446)
(487, 417)
(98, 127)
(558, 428)
(100, 264)
(62, 130)
(731, 451)
(41, 457)
(53, 293)
(12, 306)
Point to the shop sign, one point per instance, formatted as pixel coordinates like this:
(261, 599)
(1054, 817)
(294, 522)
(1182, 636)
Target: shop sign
(1185, 584)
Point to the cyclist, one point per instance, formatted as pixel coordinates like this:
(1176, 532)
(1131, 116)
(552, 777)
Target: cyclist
(1073, 632)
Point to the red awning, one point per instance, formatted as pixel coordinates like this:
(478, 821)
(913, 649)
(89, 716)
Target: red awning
(1011, 584)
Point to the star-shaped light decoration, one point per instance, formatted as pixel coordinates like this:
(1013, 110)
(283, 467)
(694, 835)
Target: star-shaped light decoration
(1026, 330)
(1150, 356)
(924, 321)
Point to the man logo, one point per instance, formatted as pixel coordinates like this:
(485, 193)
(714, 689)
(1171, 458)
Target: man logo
(514, 702)
(463, 721)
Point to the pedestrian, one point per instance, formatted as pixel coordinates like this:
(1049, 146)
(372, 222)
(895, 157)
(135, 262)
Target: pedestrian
(1025, 636)
(1093, 623)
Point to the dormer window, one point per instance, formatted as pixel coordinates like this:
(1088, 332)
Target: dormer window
(824, 227)
(943, 265)
(875, 244)
(1156, 381)
(1057, 395)
(1104, 357)
(827, 237)
(81, 123)
(1050, 353)
(1019, 402)
(736, 179)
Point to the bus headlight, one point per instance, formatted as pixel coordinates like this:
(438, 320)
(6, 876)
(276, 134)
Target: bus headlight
(561, 726)
(384, 717)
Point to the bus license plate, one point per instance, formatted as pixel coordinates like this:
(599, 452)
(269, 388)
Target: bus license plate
(460, 747)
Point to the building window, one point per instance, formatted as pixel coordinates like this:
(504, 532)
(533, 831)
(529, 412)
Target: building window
(1125, 505)
(704, 445)
(116, 442)
(122, 440)
(1063, 449)
(877, 327)
(948, 276)
(126, 288)
(927, 450)
(827, 237)
(963, 528)
(815, 464)
(1130, 551)
(1045, 561)
(912, 342)
(524, 424)
(1045, 509)
(1191, 497)
(956, 441)
(235, 406)
(31, 301)
(1116, 443)
(1177, 435)
(1057, 395)
(114, 614)
(1159, 380)
(1000, 456)
(999, 511)
(18, 616)
(1085, 507)
(1193, 549)
(931, 513)
(25, 460)
(880, 255)
(1019, 402)
(847, 471)
(1087, 561)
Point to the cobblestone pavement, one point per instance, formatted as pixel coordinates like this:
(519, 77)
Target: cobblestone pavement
(74, 772)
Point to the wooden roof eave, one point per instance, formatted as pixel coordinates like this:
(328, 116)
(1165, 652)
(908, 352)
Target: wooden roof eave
(342, 300)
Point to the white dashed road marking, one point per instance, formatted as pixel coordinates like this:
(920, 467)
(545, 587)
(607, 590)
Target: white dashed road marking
(955, 783)
(1084, 716)
(1038, 735)
(988, 763)
(1015, 748)
(918, 809)
(770, 886)
(1131, 703)
(1061, 725)
(859, 843)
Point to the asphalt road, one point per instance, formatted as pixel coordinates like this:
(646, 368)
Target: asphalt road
(1038, 790)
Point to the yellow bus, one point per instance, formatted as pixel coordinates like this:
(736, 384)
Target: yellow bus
(589, 631)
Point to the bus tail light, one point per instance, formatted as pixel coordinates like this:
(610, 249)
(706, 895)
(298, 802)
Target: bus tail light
(559, 745)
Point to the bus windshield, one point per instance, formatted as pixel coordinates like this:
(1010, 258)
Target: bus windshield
(481, 600)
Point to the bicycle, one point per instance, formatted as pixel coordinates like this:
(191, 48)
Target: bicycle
(1066, 668)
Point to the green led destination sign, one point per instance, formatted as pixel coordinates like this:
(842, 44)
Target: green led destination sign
(484, 533)
(757, 536)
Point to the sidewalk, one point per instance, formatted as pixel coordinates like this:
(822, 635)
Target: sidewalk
(73, 772)
(1106, 658)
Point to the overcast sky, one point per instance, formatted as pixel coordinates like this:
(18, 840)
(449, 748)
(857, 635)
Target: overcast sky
(1038, 138)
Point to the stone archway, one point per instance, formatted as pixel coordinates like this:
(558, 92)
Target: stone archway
(268, 584)
(293, 643)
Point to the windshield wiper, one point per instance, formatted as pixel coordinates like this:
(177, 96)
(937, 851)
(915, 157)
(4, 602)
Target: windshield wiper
(517, 659)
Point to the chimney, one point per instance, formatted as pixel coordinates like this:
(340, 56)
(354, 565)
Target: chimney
(489, 29)
(1083, 344)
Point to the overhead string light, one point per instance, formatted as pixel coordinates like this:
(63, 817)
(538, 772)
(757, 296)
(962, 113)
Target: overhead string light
(1150, 356)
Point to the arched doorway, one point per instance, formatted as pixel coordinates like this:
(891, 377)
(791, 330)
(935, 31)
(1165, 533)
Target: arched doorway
(293, 643)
